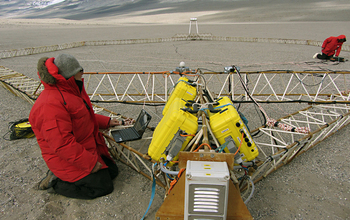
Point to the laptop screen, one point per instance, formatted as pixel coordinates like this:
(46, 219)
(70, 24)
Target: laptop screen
(142, 122)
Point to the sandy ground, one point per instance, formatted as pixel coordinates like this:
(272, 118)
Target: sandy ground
(315, 185)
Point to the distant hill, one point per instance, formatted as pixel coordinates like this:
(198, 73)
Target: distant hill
(89, 9)
(218, 10)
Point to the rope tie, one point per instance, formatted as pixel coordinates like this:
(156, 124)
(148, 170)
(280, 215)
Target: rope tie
(274, 123)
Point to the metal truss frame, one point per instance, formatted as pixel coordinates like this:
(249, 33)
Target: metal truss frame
(281, 147)
(178, 37)
(314, 87)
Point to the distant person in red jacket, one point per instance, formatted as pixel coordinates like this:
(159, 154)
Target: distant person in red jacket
(67, 131)
(329, 46)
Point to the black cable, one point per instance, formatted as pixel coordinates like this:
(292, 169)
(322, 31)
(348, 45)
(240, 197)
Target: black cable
(239, 103)
(95, 101)
(234, 101)
(262, 120)
(247, 91)
(294, 101)
(18, 90)
(127, 103)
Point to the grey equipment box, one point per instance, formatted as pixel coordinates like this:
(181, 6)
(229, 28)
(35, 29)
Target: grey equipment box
(206, 190)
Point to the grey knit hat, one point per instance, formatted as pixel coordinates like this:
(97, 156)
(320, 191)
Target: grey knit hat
(67, 65)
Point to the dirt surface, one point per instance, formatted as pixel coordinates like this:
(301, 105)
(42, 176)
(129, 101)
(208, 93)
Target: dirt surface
(316, 185)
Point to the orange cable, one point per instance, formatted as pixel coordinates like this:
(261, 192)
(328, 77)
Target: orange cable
(201, 146)
(166, 72)
(240, 144)
(184, 73)
(186, 135)
(172, 184)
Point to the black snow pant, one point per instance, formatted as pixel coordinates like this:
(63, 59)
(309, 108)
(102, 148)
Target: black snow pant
(92, 186)
(324, 56)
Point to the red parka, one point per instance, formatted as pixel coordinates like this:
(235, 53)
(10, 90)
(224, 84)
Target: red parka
(67, 129)
(331, 44)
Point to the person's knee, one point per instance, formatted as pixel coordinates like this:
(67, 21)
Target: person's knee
(103, 190)
(113, 171)
(112, 167)
(110, 188)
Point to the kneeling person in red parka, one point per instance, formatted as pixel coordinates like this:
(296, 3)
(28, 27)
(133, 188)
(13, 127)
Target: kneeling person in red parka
(329, 46)
(67, 131)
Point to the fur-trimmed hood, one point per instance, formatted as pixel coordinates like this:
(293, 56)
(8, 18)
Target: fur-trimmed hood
(43, 73)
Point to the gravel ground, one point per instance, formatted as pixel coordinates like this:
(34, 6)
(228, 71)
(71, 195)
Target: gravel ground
(315, 185)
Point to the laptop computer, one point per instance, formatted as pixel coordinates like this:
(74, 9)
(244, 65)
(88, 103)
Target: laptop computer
(135, 132)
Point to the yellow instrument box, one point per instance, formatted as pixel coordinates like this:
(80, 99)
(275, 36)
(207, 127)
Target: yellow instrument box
(184, 90)
(167, 128)
(227, 123)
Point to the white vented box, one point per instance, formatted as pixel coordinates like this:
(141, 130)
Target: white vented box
(206, 190)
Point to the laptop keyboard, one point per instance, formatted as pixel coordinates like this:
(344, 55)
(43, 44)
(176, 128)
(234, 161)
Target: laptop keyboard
(129, 134)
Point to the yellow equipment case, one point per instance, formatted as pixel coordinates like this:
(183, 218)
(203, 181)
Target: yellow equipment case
(19, 129)
(176, 119)
(183, 89)
(228, 123)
